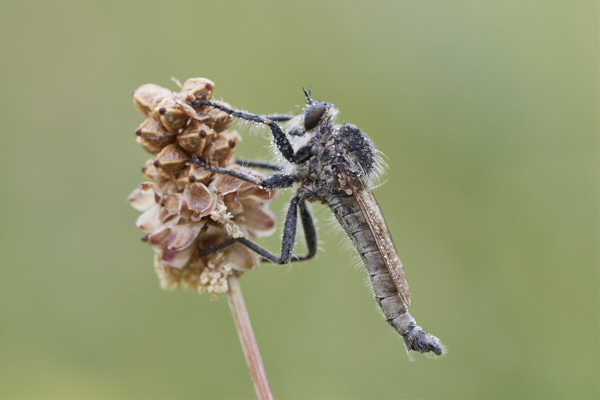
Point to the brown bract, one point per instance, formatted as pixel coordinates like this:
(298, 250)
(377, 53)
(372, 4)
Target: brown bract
(185, 207)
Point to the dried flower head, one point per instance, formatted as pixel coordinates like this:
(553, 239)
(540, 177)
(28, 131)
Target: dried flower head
(186, 207)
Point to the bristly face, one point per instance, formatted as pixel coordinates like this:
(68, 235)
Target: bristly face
(316, 112)
(334, 152)
(313, 114)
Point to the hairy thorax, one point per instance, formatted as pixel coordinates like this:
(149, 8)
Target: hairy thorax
(338, 153)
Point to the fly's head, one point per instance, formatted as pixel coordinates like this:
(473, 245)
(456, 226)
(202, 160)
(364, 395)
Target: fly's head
(317, 114)
(334, 153)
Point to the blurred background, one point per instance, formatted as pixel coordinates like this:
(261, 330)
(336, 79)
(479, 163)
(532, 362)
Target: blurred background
(487, 113)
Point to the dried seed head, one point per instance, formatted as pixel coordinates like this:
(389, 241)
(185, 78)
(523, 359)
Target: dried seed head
(170, 160)
(192, 173)
(219, 120)
(195, 136)
(151, 173)
(146, 96)
(186, 207)
(220, 149)
(170, 114)
(197, 89)
(152, 135)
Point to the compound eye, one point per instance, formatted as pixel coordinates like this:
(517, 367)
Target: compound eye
(313, 115)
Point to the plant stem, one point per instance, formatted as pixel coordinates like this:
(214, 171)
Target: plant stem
(244, 328)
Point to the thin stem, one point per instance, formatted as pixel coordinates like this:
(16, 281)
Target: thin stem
(244, 328)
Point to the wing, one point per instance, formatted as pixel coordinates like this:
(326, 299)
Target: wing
(370, 210)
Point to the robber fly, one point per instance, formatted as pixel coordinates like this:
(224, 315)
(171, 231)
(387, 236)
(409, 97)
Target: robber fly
(333, 164)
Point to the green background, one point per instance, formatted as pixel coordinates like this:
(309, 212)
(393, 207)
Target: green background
(487, 112)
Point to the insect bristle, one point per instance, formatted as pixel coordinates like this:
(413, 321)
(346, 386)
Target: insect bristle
(379, 169)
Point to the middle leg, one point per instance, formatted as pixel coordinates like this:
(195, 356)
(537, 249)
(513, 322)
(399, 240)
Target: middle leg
(275, 181)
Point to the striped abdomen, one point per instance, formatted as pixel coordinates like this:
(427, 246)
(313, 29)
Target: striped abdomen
(385, 289)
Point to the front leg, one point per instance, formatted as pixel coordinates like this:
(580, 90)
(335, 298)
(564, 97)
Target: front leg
(281, 140)
(259, 164)
(280, 117)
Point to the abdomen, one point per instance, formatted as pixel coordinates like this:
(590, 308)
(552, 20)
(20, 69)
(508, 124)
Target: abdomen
(349, 215)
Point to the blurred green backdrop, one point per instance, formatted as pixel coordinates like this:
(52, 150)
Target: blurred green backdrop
(486, 110)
